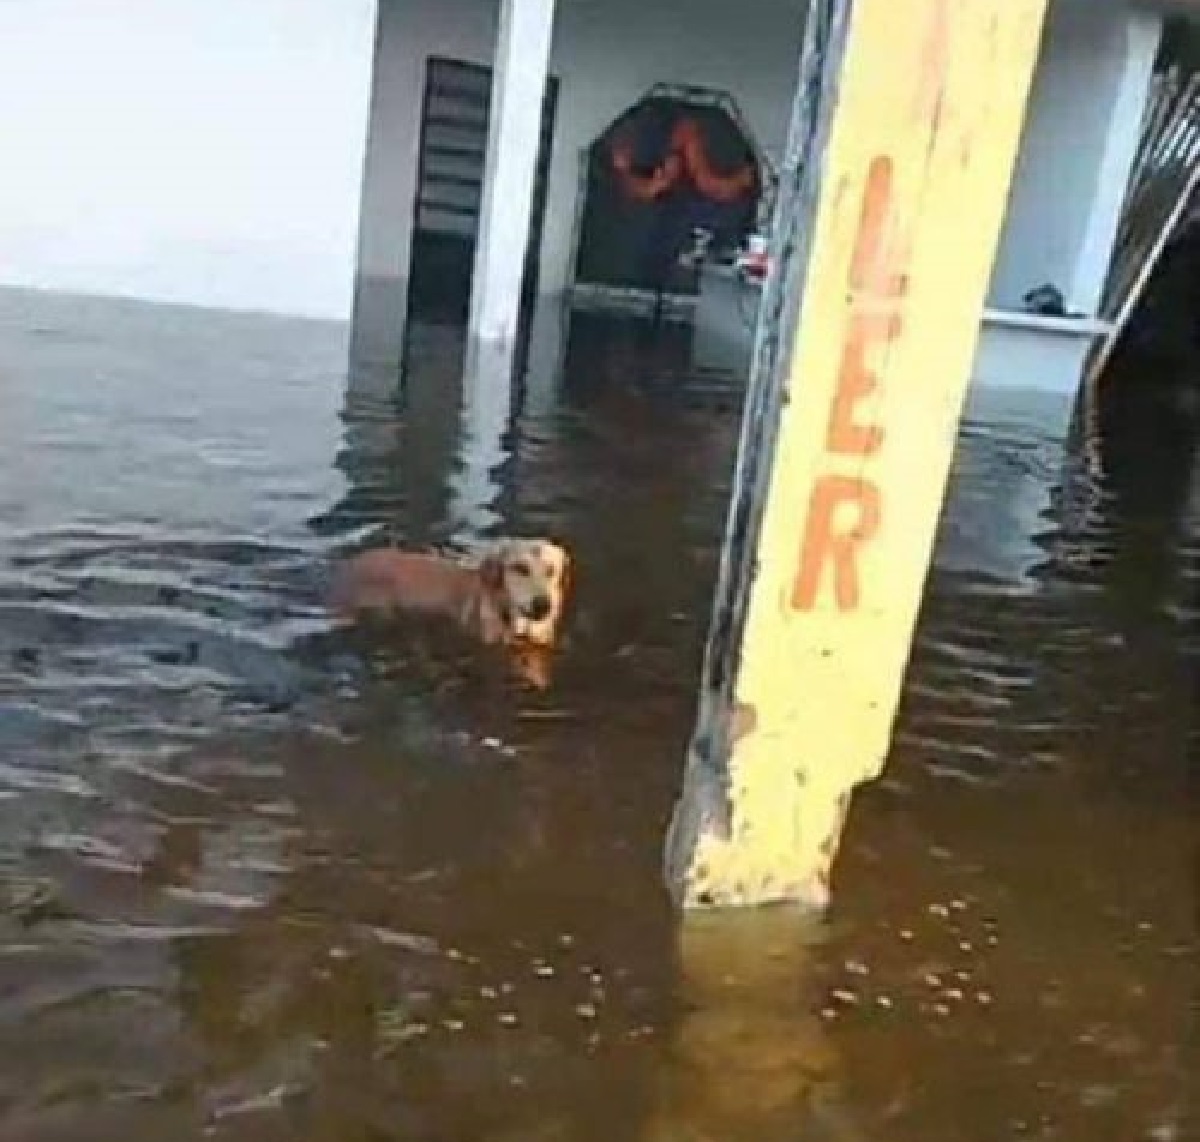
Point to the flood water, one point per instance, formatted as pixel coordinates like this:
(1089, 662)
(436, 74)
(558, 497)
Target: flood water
(259, 881)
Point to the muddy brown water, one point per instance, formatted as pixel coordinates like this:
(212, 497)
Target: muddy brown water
(260, 882)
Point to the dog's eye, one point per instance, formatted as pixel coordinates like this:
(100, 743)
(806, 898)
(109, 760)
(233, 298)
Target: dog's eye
(521, 569)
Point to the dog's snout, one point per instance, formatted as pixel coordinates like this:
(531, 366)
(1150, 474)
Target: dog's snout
(539, 608)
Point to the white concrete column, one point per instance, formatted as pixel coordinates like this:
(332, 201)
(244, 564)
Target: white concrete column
(389, 185)
(518, 85)
(1134, 45)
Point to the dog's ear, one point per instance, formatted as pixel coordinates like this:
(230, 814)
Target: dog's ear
(491, 571)
(567, 576)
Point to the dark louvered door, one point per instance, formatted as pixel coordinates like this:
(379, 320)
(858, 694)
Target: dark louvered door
(454, 126)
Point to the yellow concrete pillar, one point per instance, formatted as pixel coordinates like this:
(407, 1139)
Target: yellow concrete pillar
(920, 131)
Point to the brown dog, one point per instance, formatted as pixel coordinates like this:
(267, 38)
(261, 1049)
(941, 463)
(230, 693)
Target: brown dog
(516, 594)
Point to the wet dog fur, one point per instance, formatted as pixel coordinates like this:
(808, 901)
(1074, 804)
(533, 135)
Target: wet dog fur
(514, 595)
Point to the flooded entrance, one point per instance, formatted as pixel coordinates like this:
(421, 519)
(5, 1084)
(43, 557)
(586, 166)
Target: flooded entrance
(261, 882)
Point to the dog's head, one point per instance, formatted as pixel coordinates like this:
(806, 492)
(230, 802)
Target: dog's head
(530, 581)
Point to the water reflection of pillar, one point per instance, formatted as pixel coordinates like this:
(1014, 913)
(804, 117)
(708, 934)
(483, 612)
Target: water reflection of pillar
(750, 1058)
(400, 430)
(502, 387)
(432, 388)
(483, 450)
(429, 451)
(541, 356)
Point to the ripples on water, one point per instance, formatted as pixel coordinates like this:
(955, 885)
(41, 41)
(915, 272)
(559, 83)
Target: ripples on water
(259, 882)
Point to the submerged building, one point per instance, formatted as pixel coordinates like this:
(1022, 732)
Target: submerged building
(371, 159)
(574, 80)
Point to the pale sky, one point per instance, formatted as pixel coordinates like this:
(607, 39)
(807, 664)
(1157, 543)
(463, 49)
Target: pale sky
(205, 151)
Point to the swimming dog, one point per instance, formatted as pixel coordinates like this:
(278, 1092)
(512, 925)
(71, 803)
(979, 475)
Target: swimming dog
(514, 595)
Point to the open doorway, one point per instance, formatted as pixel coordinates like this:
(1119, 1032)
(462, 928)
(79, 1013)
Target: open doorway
(676, 177)
(450, 172)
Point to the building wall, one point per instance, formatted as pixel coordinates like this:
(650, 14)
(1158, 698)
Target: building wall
(200, 151)
(211, 151)
(1079, 138)
(606, 54)
(409, 31)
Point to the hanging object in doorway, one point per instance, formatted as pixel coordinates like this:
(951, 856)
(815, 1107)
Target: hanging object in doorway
(688, 137)
(687, 154)
(644, 187)
(676, 181)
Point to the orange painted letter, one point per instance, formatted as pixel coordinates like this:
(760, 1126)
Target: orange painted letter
(855, 381)
(823, 545)
(873, 275)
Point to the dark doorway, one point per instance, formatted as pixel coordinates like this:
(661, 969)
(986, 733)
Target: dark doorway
(454, 129)
(678, 164)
